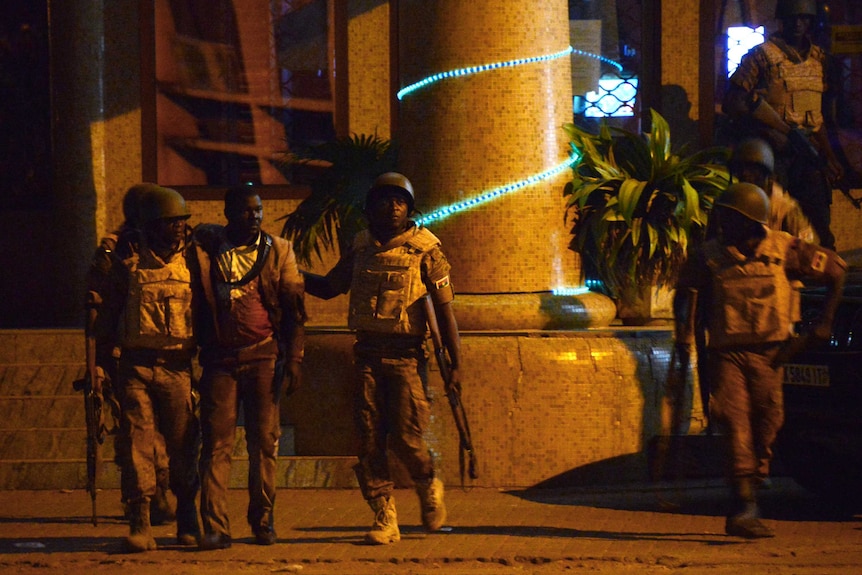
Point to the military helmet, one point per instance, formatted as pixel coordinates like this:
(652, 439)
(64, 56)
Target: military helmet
(158, 202)
(747, 199)
(790, 8)
(132, 203)
(393, 180)
(754, 151)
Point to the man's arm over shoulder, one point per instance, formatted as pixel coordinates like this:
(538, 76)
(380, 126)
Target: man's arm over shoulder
(287, 267)
(291, 301)
(291, 287)
(336, 282)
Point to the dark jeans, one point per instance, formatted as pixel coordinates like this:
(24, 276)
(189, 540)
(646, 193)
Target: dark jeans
(227, 383)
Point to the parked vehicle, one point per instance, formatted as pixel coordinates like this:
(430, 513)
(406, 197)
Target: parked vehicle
(821, 442)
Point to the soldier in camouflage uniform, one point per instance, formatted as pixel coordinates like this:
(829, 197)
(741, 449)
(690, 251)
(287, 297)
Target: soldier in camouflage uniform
(743, 285)
(107, 358)
(777, 93)
(388, 272)
(144, 302)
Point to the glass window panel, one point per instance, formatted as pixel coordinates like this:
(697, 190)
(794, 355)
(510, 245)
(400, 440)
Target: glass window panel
(239, 83)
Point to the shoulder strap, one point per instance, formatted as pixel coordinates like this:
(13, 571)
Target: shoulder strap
(423, 240)
(262, 252)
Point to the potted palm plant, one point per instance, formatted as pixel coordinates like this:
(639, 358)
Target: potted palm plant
(342, 172)
(635, 206)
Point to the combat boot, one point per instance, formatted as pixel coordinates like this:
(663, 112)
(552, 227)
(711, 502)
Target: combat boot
(748, 526)
(188, 528)
(385, 528)
(745, 521)
(140, 534)
(161, 509)
(430, 494)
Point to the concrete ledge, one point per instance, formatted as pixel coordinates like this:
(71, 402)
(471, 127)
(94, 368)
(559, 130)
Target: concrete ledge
(542, 404)
(533, 311)
(293, 472)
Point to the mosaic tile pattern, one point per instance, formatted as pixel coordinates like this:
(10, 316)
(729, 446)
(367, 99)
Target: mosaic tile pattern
(369, 67)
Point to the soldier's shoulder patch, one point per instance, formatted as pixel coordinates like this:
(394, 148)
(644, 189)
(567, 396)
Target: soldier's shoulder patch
(442, 283)
(818, 261)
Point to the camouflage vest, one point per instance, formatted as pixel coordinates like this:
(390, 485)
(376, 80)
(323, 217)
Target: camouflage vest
(795, 90)
(753, 298)
(386, 292)
(158, 312)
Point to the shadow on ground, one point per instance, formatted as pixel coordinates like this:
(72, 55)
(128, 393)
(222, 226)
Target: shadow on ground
(785, 500)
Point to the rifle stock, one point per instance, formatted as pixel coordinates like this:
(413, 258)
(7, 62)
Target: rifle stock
(466, 455)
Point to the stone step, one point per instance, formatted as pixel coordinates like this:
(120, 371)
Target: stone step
(293, 472)
(41, 411)
(39, 379)
(70, 444)
(49, 444)
(41, 346)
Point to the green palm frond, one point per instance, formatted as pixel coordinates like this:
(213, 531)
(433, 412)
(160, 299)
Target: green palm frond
(332, 214)
(635, 205)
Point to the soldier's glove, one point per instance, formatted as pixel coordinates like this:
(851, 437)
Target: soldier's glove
(802, 147)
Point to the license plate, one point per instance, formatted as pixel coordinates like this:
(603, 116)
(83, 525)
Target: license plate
(811, 375)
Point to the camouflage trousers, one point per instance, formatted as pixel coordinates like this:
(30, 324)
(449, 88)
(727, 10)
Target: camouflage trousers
(391, 410)
(229, 381)
(747, 404)
(156, 397)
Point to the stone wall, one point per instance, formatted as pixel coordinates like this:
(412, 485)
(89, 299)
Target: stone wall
(544, 407)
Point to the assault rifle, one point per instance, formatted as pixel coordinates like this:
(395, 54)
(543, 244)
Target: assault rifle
(673, 402)
(805, 150)
(466, 455)
(91, 387)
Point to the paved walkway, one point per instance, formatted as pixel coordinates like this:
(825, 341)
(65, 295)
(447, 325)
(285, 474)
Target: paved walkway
(636, 529)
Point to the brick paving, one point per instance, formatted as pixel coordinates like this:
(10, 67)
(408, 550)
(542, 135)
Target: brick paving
(630, 529)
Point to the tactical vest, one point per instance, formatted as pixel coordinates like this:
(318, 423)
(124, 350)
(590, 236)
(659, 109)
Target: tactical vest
(385, 296)
(753, 298)
(158, 312)
(795, 90)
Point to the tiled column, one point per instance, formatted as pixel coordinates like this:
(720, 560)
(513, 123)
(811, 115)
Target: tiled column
(97, 138)
(463, 136)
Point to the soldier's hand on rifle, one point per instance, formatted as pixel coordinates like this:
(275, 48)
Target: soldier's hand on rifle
(97, 380)
(834, 170)
(292, 376)
(454, 382)
(802, 146)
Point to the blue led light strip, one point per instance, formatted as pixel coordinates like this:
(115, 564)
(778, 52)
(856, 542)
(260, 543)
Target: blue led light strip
(441, 213)
(508, 64)
(570, 291)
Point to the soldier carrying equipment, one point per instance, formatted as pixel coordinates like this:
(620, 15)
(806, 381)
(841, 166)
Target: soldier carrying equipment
(91, 386)
(466, 455)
